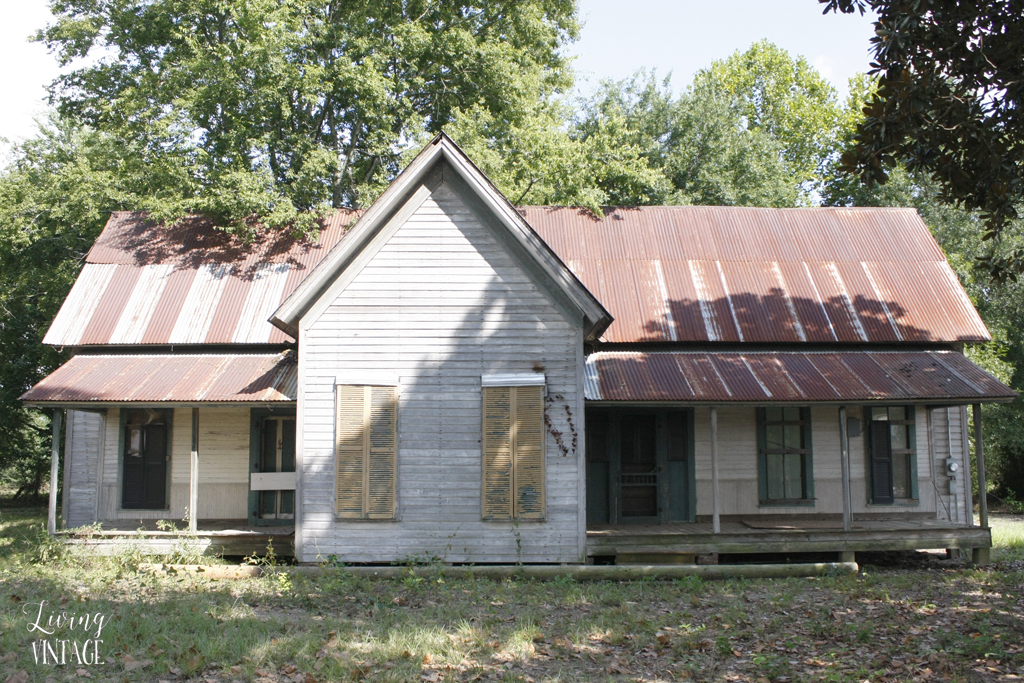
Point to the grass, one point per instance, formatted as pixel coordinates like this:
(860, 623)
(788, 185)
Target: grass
(933, 621)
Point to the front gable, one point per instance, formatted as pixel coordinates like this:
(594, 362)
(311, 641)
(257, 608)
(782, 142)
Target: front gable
(439, 162)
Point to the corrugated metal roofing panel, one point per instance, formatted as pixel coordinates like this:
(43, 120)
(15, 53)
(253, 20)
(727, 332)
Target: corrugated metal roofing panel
(665, 273)
(186, 378)
(788, 376)
(847, 274)
(185, 284)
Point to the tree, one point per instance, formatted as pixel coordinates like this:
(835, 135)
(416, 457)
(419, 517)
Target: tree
(55, 196)
(759, 128)
(948, 104)
(275, 111)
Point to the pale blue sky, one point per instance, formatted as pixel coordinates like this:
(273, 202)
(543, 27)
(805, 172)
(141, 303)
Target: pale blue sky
(678, 36)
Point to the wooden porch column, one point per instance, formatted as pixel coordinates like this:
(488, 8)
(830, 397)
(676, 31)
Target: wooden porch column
(980, 556)
(51, 519)
(844, 465)
(716, 522)
(193, 476)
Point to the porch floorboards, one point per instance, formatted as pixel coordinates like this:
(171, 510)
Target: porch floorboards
(215, 536)
(761, 535)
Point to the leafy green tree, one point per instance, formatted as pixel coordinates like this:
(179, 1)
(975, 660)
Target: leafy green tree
(55, 196)
(784, 97)
(276, 111)
(948, 105)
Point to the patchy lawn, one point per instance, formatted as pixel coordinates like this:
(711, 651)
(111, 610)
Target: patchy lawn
(919, 619)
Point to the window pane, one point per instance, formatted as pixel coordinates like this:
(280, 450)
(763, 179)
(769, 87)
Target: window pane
(776, 476)
(899, 437)
(900, 476)
(879, 414)
(897, 413)
(792, 433)
(135, 443)
(791, 414)
(794, 476)
(773, 434)
(773, 414)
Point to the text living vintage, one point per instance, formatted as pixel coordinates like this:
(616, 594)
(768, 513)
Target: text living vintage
(64, 638)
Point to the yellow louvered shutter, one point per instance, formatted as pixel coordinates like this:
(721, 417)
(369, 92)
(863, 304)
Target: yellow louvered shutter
(383, 452)
(513, 449)
(497, 448)
(366, 452)
(528, 467)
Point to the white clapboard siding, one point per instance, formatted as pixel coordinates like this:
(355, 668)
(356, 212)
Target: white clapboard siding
(738, 475)
(440, 304)
(82, 457)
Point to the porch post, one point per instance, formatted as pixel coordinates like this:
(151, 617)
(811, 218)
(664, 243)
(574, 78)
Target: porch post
(51, 519)
(193, 478)
(980, 555)
(716, 522)
(844, 465)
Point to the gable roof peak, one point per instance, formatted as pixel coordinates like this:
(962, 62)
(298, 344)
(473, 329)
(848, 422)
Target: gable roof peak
(423, 174)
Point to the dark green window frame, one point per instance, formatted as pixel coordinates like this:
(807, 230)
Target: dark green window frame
(910, 453)
(765, 419)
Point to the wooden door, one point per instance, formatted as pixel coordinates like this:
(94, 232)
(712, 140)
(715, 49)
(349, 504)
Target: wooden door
(277, 454)
(638, 478)
(144, 462)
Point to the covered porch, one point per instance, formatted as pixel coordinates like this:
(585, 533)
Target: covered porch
(171, 449)
(768, 452)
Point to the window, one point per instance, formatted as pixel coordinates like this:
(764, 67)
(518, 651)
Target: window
(513, 453)
(784, 460)
(366, 451)
(893, 454)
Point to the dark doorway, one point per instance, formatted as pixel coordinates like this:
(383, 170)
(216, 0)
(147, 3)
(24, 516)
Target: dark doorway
(639, 466)
(144, 460)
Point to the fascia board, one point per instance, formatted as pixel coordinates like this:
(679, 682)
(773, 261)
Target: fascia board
(591, 309)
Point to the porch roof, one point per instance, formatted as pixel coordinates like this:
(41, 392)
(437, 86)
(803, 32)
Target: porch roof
(182, 378)
(789, 376)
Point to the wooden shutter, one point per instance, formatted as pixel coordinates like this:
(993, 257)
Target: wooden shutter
(513, 452)
(383, 453)
(497, 447)
(881, 463)
(366, 452)
(350, 451)
(528, 466)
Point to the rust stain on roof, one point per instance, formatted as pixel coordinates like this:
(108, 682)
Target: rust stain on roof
(793, 376)
(189, 283)
(763, 275)
(185, 378)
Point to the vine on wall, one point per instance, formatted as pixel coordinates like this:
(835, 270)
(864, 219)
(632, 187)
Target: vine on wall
(558, 434)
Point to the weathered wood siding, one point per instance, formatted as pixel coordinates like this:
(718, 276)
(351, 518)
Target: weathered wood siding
(83, 446)
(223, 466)
(948, 435)
(440, 304)
(738, 475)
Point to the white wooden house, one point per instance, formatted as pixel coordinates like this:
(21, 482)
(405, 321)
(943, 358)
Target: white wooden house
(447, 376)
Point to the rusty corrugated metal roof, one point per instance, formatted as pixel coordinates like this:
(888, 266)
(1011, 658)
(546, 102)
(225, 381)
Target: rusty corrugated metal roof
(185, 378)
(185, 284)
(666, 273)
(791, 376)
(735, 274)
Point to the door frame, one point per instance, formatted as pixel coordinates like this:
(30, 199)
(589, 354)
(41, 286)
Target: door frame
(256, 417)
(613, 438)
(122, 423)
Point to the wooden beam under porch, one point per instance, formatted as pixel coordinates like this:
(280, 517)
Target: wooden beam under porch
(788, 535)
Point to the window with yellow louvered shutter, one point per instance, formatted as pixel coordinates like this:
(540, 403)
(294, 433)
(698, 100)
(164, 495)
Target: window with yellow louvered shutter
(366, 451)
(513, 453)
